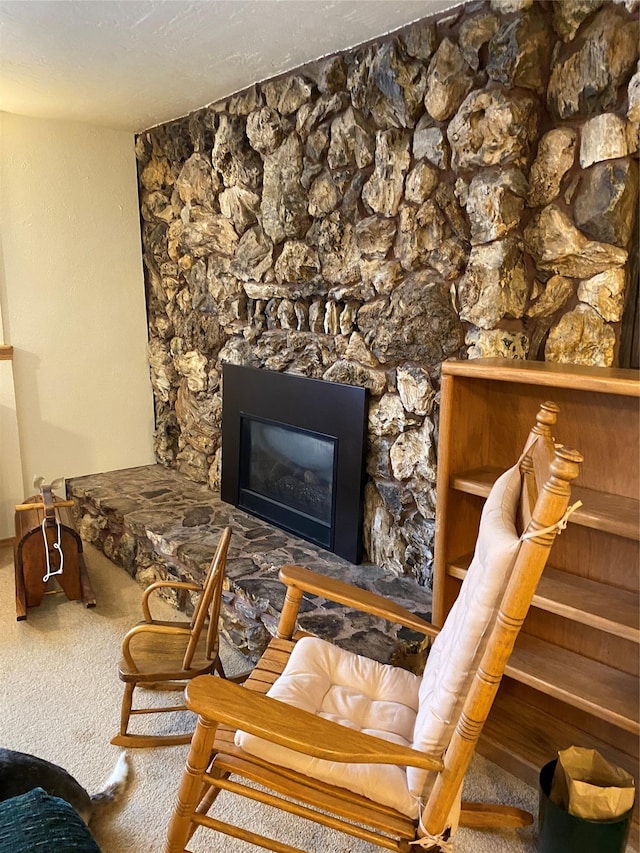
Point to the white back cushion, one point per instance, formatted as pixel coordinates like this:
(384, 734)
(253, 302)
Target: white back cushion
(458, 648)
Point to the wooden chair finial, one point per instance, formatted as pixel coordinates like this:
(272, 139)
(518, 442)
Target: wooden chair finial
(566, 464)
(546, 417)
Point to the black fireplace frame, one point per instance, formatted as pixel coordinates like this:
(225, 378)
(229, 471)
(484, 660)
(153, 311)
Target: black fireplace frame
(329, 409)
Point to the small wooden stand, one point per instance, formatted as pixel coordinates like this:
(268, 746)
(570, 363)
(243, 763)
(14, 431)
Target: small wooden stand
(48, 548)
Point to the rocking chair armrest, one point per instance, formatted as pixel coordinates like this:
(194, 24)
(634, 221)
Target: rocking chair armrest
(194, 587)
(154, 628)
(225, 702)
(305, 580)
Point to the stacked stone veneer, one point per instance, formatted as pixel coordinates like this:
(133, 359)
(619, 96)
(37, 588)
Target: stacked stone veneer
(465, 187)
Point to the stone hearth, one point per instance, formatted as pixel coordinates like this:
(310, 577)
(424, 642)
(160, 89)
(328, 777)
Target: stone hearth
(158, 524)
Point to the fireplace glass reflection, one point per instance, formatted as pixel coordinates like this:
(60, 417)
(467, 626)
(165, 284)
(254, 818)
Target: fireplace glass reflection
(287, 476)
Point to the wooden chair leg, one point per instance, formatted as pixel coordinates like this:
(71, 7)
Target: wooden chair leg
(190, 789)
(21, 595)
(236, 679)
(133, 741)
(88, 596)
(127, 703)
(207, 798)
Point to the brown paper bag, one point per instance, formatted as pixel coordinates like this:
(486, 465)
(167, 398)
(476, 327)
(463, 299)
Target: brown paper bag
(586, 785)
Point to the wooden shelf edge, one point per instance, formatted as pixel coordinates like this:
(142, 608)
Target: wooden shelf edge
(606, 380)
(6, 352)
(537, 739)
(476, 482)
(612, 599)
(615, 514)
(567, 696)
(609, 513)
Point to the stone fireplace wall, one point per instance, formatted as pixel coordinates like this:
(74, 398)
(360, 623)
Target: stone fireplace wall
(465, 187)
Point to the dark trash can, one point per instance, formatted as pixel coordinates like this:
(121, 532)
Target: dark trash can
(561, 832)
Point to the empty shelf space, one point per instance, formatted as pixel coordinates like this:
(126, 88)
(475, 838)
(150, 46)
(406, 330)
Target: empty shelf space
(606, 608)
(607, 693)
(600, 510)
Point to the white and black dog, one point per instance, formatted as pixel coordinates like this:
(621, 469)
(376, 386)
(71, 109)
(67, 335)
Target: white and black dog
(21, 772)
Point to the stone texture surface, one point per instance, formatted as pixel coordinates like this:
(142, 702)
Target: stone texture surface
(567, 17)
(586, 80)
(465, 187)
(604, 137)
(557, 245)
(491, 129)
(633, 91)
(495, 343)
(555, 156)
(449, 80)
(581, 337)
(520, 50)
(604, 293)
(159, 525)
(607, 201)
(494, 203)
(494, 284)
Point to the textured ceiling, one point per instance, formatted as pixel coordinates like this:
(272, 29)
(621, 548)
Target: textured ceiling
(131, 64)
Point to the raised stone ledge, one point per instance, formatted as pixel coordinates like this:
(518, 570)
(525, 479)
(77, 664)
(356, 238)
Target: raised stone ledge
(159, 525)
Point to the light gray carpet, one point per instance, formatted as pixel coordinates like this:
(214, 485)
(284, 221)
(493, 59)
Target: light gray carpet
(60, 699)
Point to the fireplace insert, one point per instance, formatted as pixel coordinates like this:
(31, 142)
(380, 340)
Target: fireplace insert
(293, 453)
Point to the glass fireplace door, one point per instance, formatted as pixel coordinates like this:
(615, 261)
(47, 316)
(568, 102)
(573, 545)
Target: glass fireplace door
(287, 477)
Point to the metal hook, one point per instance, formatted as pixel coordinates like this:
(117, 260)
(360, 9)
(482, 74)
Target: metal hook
(56, 546)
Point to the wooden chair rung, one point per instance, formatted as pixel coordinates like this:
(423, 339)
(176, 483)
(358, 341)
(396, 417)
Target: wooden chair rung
(164, 709)
(133, 741)
(245, 835)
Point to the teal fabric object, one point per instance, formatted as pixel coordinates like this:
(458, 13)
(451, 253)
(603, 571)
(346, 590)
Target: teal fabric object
(36, 822)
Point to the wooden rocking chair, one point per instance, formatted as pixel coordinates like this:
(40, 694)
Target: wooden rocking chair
(166, 655)
(372, 750)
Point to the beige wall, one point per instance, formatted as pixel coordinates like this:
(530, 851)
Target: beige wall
(10, 470)
(72, 298)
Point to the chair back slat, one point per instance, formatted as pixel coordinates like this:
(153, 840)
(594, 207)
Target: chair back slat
(208, 605)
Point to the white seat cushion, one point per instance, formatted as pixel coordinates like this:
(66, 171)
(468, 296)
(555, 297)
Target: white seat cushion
(356, 692)
(458, 648)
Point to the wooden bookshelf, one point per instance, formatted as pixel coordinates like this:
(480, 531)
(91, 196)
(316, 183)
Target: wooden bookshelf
(573, 676)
